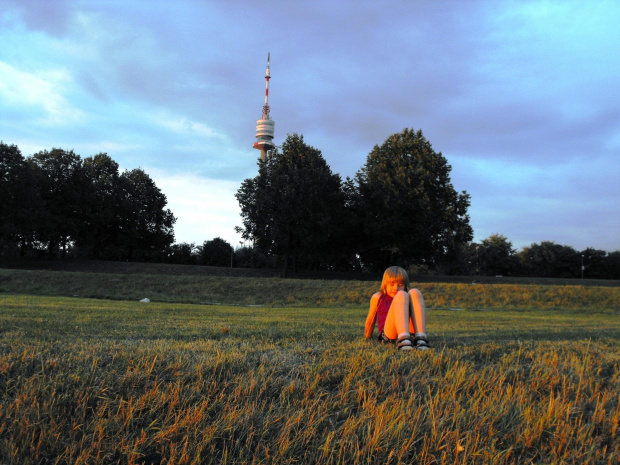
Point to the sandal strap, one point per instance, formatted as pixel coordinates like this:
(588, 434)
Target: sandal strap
(404, 341)
(421, 341)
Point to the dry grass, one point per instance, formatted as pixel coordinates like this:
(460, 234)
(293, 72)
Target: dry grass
(88, 381)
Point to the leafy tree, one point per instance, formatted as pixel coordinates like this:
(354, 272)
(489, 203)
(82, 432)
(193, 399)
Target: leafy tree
(496, 256)
(57, 201)
(349, 228)
(216, 252)
(465, 262)
(613, 265)
(20, 204)
(146, 226)
(182, 254)
(549, 260)
(594, 263)
(290, 209)
(411, 212)
(251, 257)
(63, 188)
(12, 164)
(104, 206)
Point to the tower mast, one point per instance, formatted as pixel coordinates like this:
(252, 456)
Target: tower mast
(265, 125)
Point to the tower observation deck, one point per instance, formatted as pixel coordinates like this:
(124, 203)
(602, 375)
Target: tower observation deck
(265, 126)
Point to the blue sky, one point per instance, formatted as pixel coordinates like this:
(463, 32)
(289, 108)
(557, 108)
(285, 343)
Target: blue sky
(521, 97)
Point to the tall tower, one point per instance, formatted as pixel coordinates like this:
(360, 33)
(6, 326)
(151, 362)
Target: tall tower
(265, 125)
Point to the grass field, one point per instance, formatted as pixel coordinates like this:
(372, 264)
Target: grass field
(520, 374)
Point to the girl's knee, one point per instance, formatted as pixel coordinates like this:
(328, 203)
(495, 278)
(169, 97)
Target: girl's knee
(415, 294)
(416, 297)
(402, 295)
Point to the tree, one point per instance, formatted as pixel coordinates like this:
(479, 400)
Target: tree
(20, 204)
(182, 254)
(146, 226)
(496, 256)
(594, 263)
(290, 208)
(103, 203)
(251, 257)
(216, 252)
(613, 265)
(411, 212)
(63, 188)
(550, 260)
(465, 262)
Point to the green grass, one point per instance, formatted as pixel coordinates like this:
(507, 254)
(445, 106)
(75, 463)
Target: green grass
(102, 381)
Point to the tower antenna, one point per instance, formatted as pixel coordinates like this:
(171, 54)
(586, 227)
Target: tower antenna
(265, 126)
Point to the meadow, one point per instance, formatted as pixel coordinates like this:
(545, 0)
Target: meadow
(245, 369)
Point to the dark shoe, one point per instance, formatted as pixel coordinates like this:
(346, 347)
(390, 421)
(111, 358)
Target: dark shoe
(404, 343)
(421, 343)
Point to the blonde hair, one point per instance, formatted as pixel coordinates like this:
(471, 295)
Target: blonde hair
(395, 273)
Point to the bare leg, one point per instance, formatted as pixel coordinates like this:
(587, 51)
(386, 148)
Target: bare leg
(417, 319)
(417, 312)
(398, 316)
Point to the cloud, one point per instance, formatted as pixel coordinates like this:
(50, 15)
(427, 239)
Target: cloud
(186, 127)
(520, 97)
(569, 203)
(38, 95)
(205, 208)
(52, 18)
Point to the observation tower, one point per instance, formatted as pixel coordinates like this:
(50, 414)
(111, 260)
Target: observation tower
(265, 125)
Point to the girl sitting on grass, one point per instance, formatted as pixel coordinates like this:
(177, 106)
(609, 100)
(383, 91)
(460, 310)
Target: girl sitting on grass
(399, 312)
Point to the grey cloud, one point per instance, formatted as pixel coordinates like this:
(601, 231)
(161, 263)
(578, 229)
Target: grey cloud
(483, 89)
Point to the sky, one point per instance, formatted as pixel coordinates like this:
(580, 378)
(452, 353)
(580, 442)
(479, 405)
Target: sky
(520, 97)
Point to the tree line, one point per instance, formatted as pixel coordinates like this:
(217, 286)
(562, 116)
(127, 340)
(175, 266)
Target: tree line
(399, 208)
(495, 256)
(56, 203)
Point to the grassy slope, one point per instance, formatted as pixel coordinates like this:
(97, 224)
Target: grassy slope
(277, 292)
(92, 381)
(95, 266)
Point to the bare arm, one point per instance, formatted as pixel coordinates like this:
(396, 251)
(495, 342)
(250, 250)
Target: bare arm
(372, 316)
